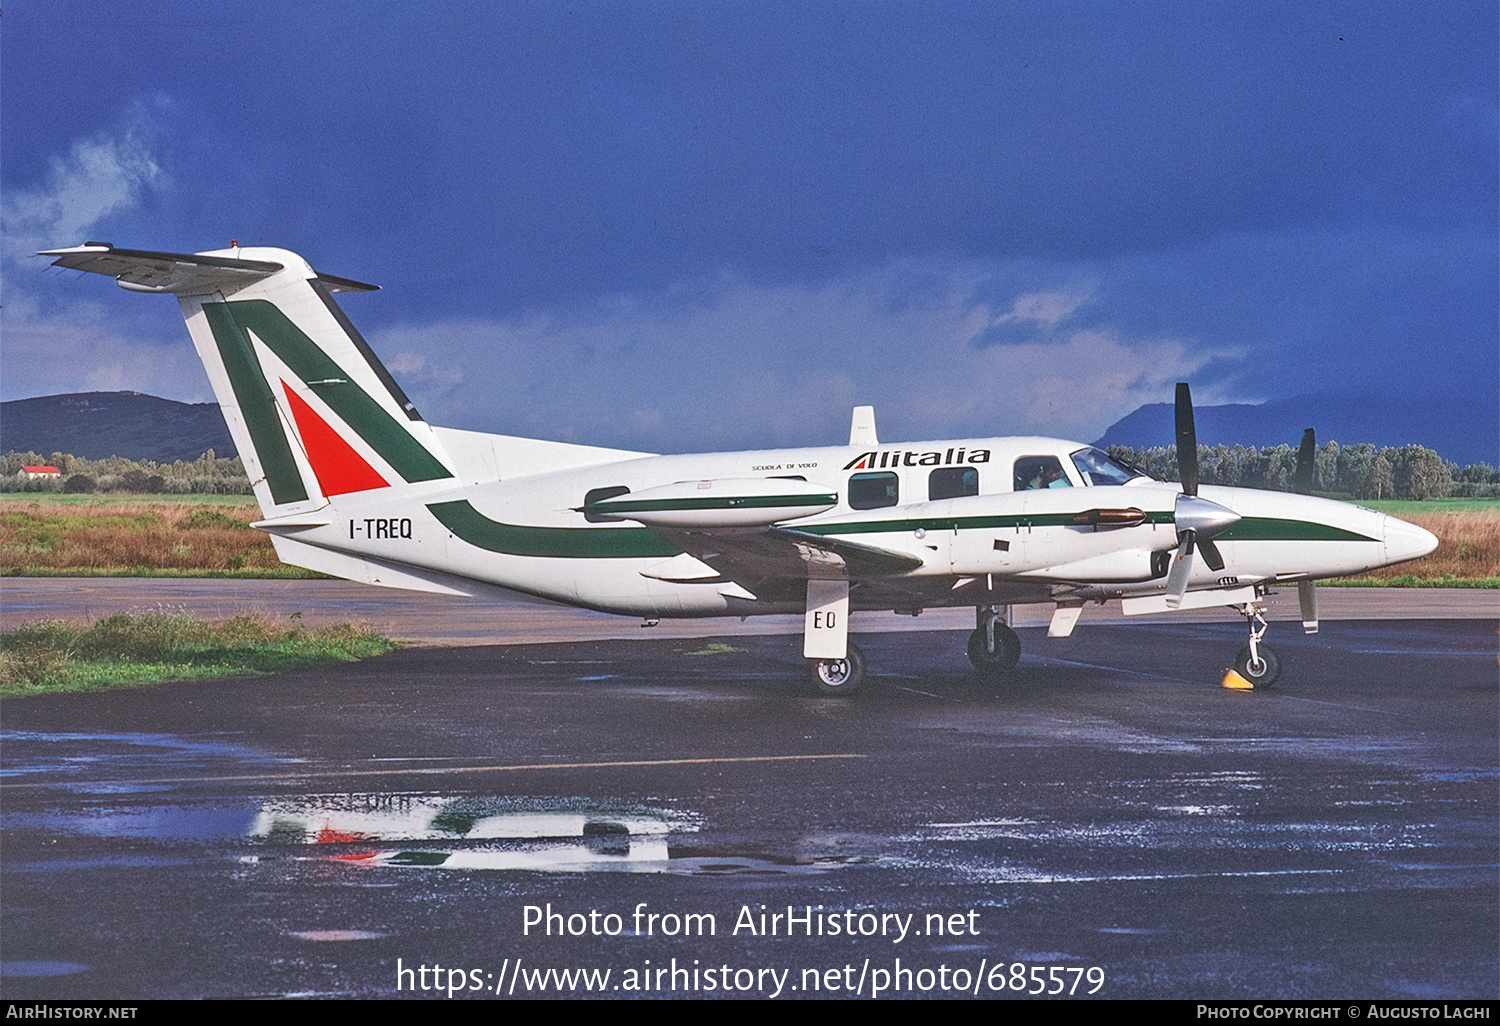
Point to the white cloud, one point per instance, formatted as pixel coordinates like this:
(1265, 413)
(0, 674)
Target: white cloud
(101, 175)
(62, 339)
(769, 366)
(1043, 309)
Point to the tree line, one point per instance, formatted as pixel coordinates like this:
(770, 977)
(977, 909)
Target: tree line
(207, 475)
(1360, 471)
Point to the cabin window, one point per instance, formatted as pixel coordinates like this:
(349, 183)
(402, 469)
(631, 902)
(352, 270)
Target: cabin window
(872, 491)
(952, 482)
(599, 495)
(1100, 468)
(1034, 472)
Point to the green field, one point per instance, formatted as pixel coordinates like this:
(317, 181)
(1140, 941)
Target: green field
(160, 645)
(1403, 507)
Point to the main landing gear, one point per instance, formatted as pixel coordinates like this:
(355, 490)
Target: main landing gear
(1257, 664)
(838, 676)
(994, 648)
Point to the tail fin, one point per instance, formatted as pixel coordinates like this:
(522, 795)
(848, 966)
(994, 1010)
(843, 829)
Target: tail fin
(311, 408)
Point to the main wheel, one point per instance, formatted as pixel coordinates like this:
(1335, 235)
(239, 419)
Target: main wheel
(1263, 673)
(837, 676)
(1000, 662)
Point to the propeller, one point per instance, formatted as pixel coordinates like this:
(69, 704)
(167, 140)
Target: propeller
(1198, 520)
(1302, 482)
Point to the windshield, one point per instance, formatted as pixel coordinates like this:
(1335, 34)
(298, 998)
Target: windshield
(1099, 468)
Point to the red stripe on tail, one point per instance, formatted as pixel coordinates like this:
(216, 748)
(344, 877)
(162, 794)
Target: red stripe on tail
(338, 468)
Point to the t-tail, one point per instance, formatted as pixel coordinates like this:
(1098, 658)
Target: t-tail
(310, 407)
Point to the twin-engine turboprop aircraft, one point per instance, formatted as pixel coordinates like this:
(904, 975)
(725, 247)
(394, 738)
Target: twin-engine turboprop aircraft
(353, 482)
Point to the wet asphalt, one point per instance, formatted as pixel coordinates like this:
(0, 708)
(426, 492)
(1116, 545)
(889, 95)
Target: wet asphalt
(1109, 816)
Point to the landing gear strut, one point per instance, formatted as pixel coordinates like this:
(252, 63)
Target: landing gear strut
(994, 648)
(1257, 662)
(838, 676)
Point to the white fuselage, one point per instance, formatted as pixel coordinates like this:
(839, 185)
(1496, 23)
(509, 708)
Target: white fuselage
(527, 534)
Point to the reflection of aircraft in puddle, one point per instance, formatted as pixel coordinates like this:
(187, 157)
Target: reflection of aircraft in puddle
(494, 835)
(511, 834)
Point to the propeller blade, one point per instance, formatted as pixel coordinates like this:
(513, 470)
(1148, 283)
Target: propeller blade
(1180, 570)
(1211, 557)
(1307, 598)
(1187, 441)
(1302, 482)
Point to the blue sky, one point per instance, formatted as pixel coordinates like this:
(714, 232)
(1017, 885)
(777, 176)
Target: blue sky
(693, 226)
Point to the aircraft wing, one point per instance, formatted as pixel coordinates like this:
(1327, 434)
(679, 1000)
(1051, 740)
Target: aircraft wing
(730, 525)
(752, 557)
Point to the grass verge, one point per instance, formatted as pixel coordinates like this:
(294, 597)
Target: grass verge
(155, 646)
(1412, 581)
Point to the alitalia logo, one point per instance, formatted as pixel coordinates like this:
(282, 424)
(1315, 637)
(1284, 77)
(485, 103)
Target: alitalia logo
(902, 458)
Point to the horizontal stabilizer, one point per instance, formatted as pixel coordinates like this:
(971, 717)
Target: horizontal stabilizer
(368, 569)
(143, 270)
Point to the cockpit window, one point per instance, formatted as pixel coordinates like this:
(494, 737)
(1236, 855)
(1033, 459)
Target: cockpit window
(1040, 472)
(1099, 468)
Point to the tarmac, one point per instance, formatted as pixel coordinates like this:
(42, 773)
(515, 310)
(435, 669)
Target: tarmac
(667, 817)
(422, 618)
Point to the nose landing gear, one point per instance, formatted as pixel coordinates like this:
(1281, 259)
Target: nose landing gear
(1257, 665)
(994, 648)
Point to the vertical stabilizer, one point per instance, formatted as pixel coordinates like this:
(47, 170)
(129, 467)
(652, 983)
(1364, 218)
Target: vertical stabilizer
(312, 410)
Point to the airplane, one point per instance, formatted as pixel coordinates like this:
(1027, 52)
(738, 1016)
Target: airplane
(353, 482)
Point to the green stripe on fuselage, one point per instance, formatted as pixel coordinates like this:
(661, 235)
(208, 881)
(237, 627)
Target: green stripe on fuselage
(257, 406)
(1273, 529)
(1009, 521)
(1247, 529)
(471, 526)
(474, 527)
(357, 408)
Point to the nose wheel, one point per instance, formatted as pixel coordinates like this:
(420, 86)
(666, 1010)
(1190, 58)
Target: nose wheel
(994, 648)
(1261, 668)
(837, 676)
(1257, 663)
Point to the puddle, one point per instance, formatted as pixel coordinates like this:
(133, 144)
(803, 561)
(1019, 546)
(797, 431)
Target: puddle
(556, 835)
(336, 935)
(506, 834)
(61, 756)
(42, 968)
(415, 831)
(196, 822)
(107, 862)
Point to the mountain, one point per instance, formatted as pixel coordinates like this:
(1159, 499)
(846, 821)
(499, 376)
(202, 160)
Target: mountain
(1456, 431)
(97, 425)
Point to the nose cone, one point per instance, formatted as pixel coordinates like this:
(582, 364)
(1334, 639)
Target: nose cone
(1405, 541)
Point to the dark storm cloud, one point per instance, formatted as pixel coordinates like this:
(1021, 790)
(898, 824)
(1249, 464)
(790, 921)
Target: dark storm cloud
(1303, 192)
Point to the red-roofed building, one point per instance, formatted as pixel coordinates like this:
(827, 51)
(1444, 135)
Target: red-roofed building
(32, 473)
